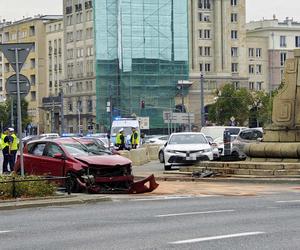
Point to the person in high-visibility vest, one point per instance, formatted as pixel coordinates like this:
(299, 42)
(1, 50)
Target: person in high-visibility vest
(120, 140)
(14, 148)
(134, 139)
(6, 141)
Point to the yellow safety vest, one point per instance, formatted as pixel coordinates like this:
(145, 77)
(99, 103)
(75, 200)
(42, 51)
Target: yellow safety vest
(14, 145)
(118, 139)
(2, 143)
(133, 140)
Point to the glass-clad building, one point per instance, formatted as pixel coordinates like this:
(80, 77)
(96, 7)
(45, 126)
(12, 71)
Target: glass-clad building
(141, 54)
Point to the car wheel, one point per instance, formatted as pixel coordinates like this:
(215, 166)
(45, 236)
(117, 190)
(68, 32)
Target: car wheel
(74, 185)
(235, 155)
(161, 156)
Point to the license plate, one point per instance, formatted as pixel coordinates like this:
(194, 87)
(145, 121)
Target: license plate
(191, 158)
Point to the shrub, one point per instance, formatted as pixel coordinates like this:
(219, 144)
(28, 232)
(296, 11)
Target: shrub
(26, 188)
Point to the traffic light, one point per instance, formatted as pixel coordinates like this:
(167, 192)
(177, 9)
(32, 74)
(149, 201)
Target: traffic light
(142, 104)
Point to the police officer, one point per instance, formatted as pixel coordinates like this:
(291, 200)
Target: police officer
(14, 148)
(120, 140)
(134, 139)
(6, 142)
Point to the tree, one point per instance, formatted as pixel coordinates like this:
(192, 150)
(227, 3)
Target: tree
(3, 115)
(230, 102)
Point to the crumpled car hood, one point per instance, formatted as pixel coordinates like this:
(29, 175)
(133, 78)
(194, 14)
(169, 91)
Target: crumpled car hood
(104, 160)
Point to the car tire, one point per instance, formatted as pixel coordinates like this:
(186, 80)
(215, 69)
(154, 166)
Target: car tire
(74, 185)
(235, 155)
(161, 157)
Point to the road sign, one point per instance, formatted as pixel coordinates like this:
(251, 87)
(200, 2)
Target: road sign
(11, 85)
(180, 118)
(144, 122)
(9, 51)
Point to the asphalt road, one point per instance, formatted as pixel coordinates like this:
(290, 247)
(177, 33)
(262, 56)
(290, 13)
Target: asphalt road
(159, 222)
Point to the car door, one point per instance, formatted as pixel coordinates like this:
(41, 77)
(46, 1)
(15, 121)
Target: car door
(49, 164)
(32, 159)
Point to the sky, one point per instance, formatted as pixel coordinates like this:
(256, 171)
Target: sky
(256, 9)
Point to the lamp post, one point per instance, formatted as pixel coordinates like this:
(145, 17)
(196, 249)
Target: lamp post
(202, 112)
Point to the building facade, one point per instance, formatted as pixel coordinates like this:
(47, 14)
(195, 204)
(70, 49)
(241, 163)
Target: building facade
(79, 86)
(55, 75)
(35, 69)
(141, 54)
(217, 48)
(270, 43)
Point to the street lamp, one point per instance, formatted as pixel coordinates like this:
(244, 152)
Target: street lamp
(202, 112)
(79, 122)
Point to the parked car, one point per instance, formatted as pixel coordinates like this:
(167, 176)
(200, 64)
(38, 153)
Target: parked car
(214, 147)
(91, 169)
(157, 139)
(251, 135)
(186, 147)
(216, 132)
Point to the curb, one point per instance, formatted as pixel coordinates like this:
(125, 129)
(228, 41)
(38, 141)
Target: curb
(60, 201)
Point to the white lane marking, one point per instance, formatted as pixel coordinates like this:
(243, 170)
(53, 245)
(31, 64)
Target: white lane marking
(159, 198)
(290, 201)
(4, 232)
(216, 237)
(193, 213)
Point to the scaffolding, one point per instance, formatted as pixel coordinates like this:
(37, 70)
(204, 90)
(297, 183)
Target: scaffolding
(141, 54)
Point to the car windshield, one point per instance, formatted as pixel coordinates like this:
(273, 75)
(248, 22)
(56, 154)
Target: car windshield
(187, 139)
(84, 149)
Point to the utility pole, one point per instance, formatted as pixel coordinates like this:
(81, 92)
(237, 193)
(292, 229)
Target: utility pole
(202, 112)
(62, 115)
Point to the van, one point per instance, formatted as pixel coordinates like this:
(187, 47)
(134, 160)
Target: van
(216, 132)
(126, 124)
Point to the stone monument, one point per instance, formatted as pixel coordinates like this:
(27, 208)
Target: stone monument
(282, 138)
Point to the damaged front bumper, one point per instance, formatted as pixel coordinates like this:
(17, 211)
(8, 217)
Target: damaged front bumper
(117, 184)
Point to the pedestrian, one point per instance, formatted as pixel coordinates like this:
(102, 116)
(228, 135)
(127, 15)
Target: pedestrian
(14, 148)
(134, 139)
(120, 140)
(6, 142)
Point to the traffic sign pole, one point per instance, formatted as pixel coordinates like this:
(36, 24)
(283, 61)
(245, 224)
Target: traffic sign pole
(19, 111)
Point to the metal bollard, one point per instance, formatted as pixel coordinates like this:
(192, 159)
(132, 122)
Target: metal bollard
(14, 194)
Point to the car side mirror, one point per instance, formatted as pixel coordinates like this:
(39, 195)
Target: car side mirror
(59, 156)
(165, 144)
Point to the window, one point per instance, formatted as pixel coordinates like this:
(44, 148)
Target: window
(297, 41)
(33, 96)
(258, 52)
(200, 17)
(89, 106)
(38, 149)
(234, 67)
(206, 18)
(236, 85)
(259, 86)
(206, 34)
(52, 150)
(200, 51)
(283, 41)
(204, 4)
(207, 67)
(234, 51)
(251, 69)
(282, 58)
(32, 63)
(258, 69)
(251, 52)
(200, 33)
(234, 2)
(251, 85)
(234, 17)
(207, 51)
(234, 34)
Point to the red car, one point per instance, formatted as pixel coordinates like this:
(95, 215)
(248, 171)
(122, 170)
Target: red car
(91, 168)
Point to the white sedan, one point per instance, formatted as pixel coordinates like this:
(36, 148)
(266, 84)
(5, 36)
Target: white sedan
(186, 147)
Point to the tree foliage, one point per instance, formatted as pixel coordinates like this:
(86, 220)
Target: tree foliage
(241, 104)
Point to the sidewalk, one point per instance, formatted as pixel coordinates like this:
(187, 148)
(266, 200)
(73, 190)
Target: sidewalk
(59, 200)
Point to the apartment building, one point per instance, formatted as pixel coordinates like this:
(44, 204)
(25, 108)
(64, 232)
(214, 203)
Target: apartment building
(270, 43)
(35, 68)
(217, 48)
(79, 86)
(55, 75)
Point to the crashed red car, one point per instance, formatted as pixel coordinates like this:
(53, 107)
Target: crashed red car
(90, 168)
